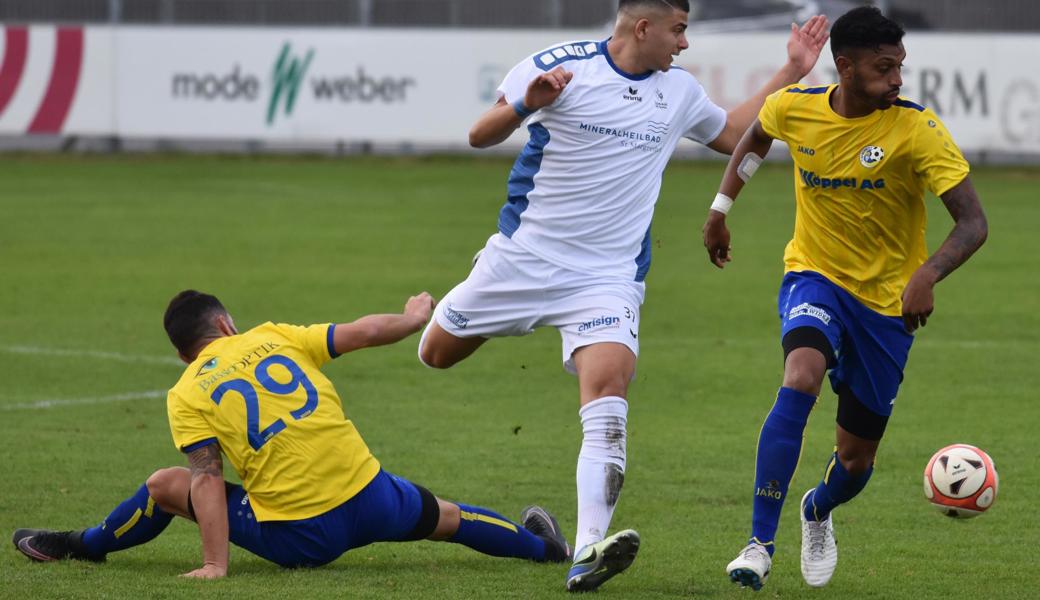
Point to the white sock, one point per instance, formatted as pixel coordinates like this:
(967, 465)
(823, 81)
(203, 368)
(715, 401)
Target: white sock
(601, 467)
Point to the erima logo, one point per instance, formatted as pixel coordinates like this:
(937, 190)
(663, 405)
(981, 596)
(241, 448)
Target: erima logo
(632, 95)
(208, 366)
(812, 180)
(870, 156)
(599, 322)
(808, 310)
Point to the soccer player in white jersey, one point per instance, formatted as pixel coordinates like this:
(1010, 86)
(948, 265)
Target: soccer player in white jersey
(573, 246)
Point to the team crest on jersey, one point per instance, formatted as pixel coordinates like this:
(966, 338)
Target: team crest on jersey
(870, 156)
(209, 366)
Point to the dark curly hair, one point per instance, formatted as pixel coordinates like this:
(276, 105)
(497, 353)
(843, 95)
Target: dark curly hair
(864, 27)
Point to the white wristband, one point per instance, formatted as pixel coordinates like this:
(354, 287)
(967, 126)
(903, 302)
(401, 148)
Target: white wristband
(722, 203)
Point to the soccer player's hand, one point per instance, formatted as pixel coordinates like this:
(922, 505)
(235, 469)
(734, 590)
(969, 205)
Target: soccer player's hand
(547, 87)
(207, 571)
(918, 300)
(420, 306)
(806, 42)
(716, 239)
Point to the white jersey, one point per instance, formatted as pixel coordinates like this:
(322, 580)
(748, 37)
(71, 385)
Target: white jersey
(581, 194)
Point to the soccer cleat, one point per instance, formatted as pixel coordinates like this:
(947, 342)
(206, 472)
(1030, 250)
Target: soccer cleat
(42, 545)
(819, 548)
(596, 563)
(538, 521)
(751, 567)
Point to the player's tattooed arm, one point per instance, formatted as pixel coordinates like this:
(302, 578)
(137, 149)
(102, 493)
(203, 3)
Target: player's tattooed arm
(969, 232)
(209, 500)
(206, 461)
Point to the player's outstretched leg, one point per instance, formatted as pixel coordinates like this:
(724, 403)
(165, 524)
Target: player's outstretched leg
(136, 521)
(751, 567)
(490, 533)
(779, 446)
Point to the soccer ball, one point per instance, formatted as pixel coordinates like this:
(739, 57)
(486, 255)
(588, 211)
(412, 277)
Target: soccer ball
(960, 481)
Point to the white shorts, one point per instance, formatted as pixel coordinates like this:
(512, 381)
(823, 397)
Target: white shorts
(511, 292)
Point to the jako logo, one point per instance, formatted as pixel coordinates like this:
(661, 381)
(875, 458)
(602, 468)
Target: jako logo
(604, 321)
(287, 77)
(772, 490)
(56, 99)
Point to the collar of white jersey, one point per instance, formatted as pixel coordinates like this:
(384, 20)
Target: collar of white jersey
(610, 61)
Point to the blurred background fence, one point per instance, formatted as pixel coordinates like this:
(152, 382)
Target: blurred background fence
(944, 15)
(370, 75)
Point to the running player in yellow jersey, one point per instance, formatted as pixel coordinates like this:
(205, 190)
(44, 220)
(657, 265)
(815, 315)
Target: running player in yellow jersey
(311, 490)
(858, 280)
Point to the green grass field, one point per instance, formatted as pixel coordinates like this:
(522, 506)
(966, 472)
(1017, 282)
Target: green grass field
(91, 249)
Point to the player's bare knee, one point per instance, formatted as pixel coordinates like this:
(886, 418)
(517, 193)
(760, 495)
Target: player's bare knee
(162, 484)
(605, 383)
(856, 460)
(803, 378)
(448, 523)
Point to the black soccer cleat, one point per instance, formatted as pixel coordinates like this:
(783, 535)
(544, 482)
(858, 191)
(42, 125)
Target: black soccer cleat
(43, 545)
(538, 521)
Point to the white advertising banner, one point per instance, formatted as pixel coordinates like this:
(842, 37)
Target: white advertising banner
(423, 87)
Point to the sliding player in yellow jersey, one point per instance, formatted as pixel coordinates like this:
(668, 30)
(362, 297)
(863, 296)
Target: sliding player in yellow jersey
(311, 490)
(858, 280)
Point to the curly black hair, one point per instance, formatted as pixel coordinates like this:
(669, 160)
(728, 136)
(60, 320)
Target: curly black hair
(864, 27)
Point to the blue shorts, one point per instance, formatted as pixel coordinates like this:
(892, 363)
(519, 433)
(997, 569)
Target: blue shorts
(387, 509)
(870, 349)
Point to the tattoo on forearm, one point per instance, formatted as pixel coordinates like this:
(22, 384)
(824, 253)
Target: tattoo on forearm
(206, 461)
(968, 234)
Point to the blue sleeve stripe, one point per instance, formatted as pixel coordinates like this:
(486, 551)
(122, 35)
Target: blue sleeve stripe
(909, 104)
(193, 447)
(331, 342)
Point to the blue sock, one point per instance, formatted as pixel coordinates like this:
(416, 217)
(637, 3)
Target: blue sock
(836, 487)
(779, 446)
(137, 520)
(489, 532)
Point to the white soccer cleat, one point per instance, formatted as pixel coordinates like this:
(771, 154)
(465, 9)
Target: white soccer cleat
(751, 567)
(819, 548)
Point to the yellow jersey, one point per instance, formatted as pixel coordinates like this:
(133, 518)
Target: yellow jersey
(859, 189)
(278, 420)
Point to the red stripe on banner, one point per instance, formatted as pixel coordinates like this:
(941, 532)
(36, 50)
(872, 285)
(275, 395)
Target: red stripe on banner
(68, 60)
(16, 47)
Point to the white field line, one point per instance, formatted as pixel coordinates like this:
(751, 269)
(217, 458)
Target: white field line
(57, 402)
(87, 354)
(97, 354)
